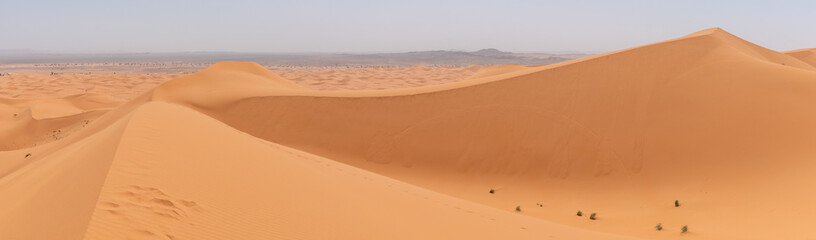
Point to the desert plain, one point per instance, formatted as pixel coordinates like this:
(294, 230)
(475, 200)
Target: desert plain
(707, 130)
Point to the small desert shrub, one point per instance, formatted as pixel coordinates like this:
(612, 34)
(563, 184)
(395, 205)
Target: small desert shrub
(676, 203)
(684, 229)
(580, 213)
(28, 155)
(492, 191)
(592, 216)
(659, 226)
(518, 208)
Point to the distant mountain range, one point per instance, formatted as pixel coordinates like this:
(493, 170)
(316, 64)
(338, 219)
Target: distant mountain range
(488, 56)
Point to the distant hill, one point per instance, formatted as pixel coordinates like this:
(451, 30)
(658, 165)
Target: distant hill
(489, 56)
(490, 52)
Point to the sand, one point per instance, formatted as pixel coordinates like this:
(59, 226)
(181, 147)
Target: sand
(379, 78)
(807, 55)
(240, 152)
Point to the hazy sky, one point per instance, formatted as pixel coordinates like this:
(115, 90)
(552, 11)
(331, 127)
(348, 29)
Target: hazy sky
(391, 26)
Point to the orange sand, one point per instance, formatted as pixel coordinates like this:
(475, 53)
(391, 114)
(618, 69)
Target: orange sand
(239, 152)
(378, 78)
(807, 55)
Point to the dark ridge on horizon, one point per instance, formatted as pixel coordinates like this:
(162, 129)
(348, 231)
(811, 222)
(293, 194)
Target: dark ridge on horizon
(489, 56)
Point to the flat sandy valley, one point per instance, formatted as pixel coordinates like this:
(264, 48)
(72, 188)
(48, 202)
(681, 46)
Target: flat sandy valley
(707, 131)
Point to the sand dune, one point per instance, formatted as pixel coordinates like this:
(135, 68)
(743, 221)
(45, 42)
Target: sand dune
(239, 152)
(379, 78)
(807, 55)
(152, 191)
(39, 85)
(28, 122)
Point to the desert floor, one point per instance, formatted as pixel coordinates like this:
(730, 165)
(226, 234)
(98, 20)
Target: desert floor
(238, 151)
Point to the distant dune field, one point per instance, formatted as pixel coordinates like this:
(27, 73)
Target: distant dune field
(236, 151)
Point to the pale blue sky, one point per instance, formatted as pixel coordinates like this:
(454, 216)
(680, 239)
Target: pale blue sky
(391, 26)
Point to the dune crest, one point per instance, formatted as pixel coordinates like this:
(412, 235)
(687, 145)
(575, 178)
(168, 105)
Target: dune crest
(751, 49)
(28, 122)
(807, 55)
(626, 118)
(151, 191)
(237, 151)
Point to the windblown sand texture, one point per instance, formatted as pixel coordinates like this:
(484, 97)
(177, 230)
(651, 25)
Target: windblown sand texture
(379, 77)
(236, 151)
(807, 55)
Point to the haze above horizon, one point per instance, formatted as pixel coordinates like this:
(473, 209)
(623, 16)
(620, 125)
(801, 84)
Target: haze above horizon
(381, 26)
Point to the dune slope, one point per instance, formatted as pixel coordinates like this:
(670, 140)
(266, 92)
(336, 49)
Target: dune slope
(625, 133)
(238, 152)
(807, 55)
(28, 122)
(178, 174)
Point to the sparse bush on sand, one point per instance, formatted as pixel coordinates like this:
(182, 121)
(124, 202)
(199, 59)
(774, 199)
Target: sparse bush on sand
(684, 229)
(492, 191)
(676, 203)
(659, 226)
(518, 208)
(592, 216)
(580, 213)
